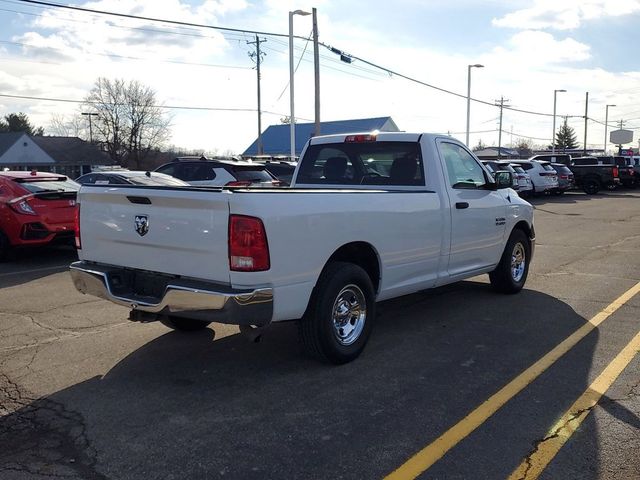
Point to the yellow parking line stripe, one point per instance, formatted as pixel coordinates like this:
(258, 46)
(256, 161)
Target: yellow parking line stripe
(433, 452)
(532, 466)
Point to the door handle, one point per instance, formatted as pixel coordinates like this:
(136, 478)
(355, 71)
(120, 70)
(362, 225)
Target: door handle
(461, 205)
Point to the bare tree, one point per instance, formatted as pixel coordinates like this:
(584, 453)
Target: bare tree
(71, 126)
(524, 146)
(130, 124)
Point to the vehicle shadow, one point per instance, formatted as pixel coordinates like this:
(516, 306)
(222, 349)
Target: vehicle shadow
(186, 406)
(28, 264)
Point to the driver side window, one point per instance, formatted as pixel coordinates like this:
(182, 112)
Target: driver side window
(463, 170)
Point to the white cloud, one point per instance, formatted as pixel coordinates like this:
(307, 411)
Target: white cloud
(529, 49)
(565, 14)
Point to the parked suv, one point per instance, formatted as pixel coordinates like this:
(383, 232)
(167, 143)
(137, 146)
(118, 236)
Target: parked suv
(565, 178)
(203, 171)
(36, 208)
(542, 174)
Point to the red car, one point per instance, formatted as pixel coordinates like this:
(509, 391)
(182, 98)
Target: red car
(36, 208)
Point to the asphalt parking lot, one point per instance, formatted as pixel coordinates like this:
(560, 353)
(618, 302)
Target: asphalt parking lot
(86, 394)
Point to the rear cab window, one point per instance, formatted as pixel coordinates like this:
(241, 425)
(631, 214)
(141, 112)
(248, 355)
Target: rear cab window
(381, 163)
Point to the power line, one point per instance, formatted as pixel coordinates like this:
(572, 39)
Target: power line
(168, 107)
(171, 32)
(343, 55)
(126, 57)
(153, 19)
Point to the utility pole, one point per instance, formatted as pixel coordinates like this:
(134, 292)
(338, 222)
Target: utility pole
(90, 114)
(621, 122)
(257, 58)
(316, 71)
(500, 103)
(586, 113)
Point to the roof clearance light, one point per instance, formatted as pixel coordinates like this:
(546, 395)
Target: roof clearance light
(361, 138)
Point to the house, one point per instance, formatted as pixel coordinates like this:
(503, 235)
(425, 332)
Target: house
(69, 156)
(276, 139)
(492, 153)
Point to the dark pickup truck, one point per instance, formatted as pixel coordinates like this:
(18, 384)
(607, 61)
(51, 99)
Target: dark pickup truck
(591, 174)
(628, 174)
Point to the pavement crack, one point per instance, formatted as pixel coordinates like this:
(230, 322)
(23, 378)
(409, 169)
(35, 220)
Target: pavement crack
(555, 433)
(43, 437)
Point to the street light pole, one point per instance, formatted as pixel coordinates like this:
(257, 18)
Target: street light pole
(606, 119)
(292, 118)
(553, 137)
(90, 114)
(469, 67)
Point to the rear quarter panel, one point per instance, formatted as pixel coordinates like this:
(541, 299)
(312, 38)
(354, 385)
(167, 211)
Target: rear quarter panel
(305, 228)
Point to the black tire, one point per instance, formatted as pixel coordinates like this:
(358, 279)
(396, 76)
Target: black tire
(504, 279)
(183, 324)
(591, 186)
(4, 246)
(322, 336)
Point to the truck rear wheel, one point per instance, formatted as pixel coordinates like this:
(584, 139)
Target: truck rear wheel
(339, 319)
(511, 273)
(183, 324)
(591, 186)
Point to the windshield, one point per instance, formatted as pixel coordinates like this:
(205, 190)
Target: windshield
(547, 167)
(518, 169)
(49, 185)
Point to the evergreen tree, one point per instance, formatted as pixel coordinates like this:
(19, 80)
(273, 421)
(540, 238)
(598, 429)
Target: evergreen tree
(566, 137)
(19, 122)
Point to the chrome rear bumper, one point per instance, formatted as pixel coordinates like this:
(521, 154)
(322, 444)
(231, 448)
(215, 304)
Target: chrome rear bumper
(183, 297)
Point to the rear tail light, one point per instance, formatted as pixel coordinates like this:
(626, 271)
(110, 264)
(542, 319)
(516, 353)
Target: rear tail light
(76, 227)
(238, 183)
(564, 176)
(248, 247)
(22, 206)
(615, 172)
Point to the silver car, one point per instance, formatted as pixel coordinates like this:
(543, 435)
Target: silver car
(525, 187)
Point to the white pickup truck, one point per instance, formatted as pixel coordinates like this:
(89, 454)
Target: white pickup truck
(368, 217)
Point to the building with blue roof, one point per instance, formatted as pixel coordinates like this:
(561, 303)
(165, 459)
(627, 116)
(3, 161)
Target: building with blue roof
(276, 138)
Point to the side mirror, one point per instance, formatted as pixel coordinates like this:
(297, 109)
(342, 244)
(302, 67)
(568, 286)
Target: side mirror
(504, 179)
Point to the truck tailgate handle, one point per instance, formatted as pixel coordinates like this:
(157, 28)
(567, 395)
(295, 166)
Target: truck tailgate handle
(139, 200)
(461, 205)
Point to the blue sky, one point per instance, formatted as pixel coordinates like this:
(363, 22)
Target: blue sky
(529, 48)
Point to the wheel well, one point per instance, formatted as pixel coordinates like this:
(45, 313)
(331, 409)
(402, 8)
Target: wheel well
(590, 178)
(524, 226)
(362, 254)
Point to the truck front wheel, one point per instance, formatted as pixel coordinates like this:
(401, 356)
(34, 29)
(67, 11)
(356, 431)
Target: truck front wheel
(511, 273)
(339, 319)
(183, 324)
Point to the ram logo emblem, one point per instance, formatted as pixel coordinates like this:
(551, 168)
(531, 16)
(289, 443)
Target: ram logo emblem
(142, 224)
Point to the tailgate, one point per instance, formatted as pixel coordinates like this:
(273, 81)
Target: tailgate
(177, 231)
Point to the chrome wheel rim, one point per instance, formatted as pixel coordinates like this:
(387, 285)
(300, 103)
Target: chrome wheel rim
(518, 262)
(349, 314)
